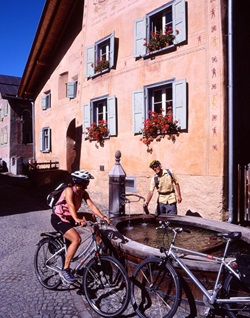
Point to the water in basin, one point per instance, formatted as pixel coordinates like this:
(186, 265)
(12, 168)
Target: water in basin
(199, 239)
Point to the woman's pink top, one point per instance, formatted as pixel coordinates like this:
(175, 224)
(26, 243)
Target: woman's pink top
(62, 210)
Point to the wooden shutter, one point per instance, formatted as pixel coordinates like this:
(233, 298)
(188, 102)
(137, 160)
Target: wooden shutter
(138, 110)
(112, 115)
(71, 89)
(112, 50)
(6, 109)
(49, 139)
(139, 37)
(179, 21)
(180, 103)
(41, 140)
(90, 60)
(86, 118)
(44, 104)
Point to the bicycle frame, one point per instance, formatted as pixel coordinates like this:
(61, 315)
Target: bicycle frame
(82, 257)
(212, 297)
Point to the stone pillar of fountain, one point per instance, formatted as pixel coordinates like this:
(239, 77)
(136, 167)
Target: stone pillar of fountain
(117, 179)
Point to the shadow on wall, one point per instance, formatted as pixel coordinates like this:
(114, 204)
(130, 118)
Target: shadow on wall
(21, 194)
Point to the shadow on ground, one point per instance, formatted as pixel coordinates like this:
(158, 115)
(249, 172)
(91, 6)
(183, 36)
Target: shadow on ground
(18, 195)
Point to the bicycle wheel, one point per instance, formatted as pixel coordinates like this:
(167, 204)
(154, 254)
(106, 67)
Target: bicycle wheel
(156, 289)
(48, 277)
(235, 288)
(106, 286)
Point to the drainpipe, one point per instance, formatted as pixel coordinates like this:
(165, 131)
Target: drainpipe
(230, 114)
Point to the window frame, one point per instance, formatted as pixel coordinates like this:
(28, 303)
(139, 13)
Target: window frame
(45, 139)
(71, 89)
(92, 56)
(141, 104)
(46, 100)
(89, 117)
(142, 28)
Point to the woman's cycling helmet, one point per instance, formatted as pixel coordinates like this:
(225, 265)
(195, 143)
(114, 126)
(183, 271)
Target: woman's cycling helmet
(81, 176)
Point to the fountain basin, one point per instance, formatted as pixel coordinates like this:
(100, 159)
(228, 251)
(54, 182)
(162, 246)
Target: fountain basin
(132, 253)
(140, 251)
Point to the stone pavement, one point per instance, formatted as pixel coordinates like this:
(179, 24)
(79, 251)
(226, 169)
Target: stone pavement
(21, 295)
(22, 218)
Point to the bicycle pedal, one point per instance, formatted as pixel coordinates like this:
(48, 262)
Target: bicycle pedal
(66, 284)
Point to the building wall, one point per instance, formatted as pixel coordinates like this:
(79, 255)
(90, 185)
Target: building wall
(197, 155)
(13, 151)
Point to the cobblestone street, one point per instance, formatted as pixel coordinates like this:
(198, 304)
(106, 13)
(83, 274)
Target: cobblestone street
(21, 295)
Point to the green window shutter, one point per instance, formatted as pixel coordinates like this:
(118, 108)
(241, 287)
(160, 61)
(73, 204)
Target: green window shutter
(112, 115)
(5, 136)
(90, 60)
(180, 103)
(86, 118)
(139, 37)
(138, 110)
(49, 139)
(112, 50)
(6, 109)
(41, 140)
(71, 90)
(179, 21)
(48, 100)
(44, 99)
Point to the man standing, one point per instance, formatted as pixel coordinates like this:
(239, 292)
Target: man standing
(168, 189)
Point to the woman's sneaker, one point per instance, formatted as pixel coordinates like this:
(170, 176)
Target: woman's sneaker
(67, 276)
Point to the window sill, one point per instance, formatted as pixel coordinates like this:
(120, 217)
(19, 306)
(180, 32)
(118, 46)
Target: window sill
(100, 73)
(163, 50)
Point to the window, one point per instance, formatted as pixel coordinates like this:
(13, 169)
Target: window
(100, 56)
(46, 100)
(71, 89)
(62, 85)
(45, 139)
(103, 108)
(130, 184)
(160, 97)
(4, 135)
(4, 109)
(170, 16)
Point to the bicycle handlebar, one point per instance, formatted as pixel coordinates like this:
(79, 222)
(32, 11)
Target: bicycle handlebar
(165, 225)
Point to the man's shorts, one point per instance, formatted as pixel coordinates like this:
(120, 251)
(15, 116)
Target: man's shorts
(169, 209)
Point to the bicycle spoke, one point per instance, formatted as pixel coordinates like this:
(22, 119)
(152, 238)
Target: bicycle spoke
(106, 286)
(155, 289)
(47, 265)
(235, 288)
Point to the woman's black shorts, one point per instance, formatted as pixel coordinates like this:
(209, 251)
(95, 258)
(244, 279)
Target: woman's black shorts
(60, 225)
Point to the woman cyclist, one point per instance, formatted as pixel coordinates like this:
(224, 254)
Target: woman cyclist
(64, 216)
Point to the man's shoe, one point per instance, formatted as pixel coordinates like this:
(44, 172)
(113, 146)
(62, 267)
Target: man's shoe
(67, 276)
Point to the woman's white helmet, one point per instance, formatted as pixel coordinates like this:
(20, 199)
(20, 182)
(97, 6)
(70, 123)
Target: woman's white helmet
(80, 176)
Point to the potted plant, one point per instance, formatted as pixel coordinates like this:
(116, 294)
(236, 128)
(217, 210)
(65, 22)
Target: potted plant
(158, 125)
(101, 65)
(160, 40)
(98, 132)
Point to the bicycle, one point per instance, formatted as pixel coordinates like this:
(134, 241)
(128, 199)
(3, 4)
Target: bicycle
(156, 284)
(103, 278)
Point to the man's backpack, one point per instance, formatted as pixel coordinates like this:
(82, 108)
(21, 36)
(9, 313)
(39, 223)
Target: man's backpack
(156, 180)
(54, 195)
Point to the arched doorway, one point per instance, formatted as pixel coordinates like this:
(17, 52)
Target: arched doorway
(73, 148)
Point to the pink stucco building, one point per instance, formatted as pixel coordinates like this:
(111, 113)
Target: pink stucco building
(71, 90)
